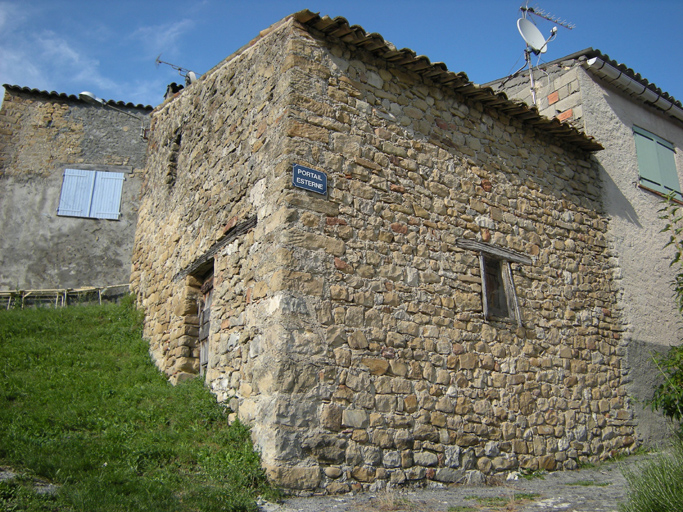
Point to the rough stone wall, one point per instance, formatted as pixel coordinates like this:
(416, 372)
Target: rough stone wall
(215, 158)
(348, 330)
(40, 135)
(643, 282)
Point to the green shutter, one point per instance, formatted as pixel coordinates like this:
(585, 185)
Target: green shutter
(656, 162)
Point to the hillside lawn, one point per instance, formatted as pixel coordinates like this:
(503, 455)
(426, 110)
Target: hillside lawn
(82, 406)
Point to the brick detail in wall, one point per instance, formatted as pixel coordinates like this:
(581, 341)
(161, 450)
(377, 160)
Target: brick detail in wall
(567, 114)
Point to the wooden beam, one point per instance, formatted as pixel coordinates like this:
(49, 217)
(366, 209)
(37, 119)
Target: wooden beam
(493, 250)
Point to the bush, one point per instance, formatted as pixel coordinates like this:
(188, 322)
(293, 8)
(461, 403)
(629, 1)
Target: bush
(668, 397)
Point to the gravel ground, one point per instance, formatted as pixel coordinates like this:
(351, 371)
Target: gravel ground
(597, 489)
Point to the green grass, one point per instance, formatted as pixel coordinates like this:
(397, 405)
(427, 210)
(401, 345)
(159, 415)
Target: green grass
(657, 484)
(530, 474)
(83, 406)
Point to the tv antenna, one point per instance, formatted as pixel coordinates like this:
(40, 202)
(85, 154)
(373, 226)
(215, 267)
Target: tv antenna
(546, 16)
(535, 42)
(190, 76)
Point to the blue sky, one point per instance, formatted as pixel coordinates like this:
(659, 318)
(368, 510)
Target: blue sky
(109, 48)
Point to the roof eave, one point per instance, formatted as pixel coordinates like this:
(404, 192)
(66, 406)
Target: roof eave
(355, 35)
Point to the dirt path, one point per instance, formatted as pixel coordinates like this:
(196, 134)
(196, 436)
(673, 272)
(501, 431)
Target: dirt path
(597, 489)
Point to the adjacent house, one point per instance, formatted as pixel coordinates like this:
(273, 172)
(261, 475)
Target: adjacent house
(392, 274)
(641, 129)
(70, 176)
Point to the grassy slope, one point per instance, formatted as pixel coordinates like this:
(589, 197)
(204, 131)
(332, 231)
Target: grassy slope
(82, 405)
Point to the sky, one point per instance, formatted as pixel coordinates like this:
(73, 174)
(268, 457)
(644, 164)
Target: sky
(110, 48)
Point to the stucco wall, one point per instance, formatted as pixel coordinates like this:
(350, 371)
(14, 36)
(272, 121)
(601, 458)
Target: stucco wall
(651, 319)
(40, 135)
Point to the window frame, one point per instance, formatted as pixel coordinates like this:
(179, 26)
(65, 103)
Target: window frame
(656, 158)
(503, 257)
(204, 304)
(91, 193)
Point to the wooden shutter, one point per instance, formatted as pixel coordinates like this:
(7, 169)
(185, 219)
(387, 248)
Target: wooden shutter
(656, 162)
(76, 195)
(106, 202)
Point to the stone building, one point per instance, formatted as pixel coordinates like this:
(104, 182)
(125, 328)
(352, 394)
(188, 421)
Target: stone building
(641, 129)
(69, 188)
(437, 304)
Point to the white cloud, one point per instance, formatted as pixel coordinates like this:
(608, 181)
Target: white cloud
(70, 64)
(162, 38)
(10, 15)
(41, 49)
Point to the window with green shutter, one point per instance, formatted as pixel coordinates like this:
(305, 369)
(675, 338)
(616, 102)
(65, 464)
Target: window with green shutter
(93, 194)
(656, 163)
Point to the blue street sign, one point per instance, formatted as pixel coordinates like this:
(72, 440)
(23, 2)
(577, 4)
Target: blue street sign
(309, 179)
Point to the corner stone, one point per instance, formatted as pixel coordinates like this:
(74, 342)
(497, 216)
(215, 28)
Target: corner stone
(300, 478)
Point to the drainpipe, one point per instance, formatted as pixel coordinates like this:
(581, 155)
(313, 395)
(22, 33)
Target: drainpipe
(624, 82)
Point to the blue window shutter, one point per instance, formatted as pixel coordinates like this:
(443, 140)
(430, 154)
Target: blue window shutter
(76, 195)
(656, 162)
(106, 202)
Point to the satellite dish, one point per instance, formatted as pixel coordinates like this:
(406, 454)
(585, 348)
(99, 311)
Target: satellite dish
(532, 36)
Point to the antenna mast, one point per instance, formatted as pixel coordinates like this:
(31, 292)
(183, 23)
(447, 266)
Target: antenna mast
(535, 42)
(547, 16)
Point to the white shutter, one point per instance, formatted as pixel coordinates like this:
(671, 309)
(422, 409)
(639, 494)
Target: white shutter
(106, 202)
(76, 195)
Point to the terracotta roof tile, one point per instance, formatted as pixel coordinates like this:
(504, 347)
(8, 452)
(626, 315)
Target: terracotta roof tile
(70, 97)
(438, 73)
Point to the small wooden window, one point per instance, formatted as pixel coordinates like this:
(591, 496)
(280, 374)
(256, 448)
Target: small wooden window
(495, 288)
(498, 292)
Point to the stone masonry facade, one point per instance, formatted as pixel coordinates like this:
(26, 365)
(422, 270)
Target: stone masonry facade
(582, 90)
(348, 329)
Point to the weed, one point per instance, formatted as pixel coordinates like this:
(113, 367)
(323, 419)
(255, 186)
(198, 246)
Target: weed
(530, 474)
(461, 508)
(493, 501)
(525, 496)
(388, 501)
(503, 502)
(656, 484)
